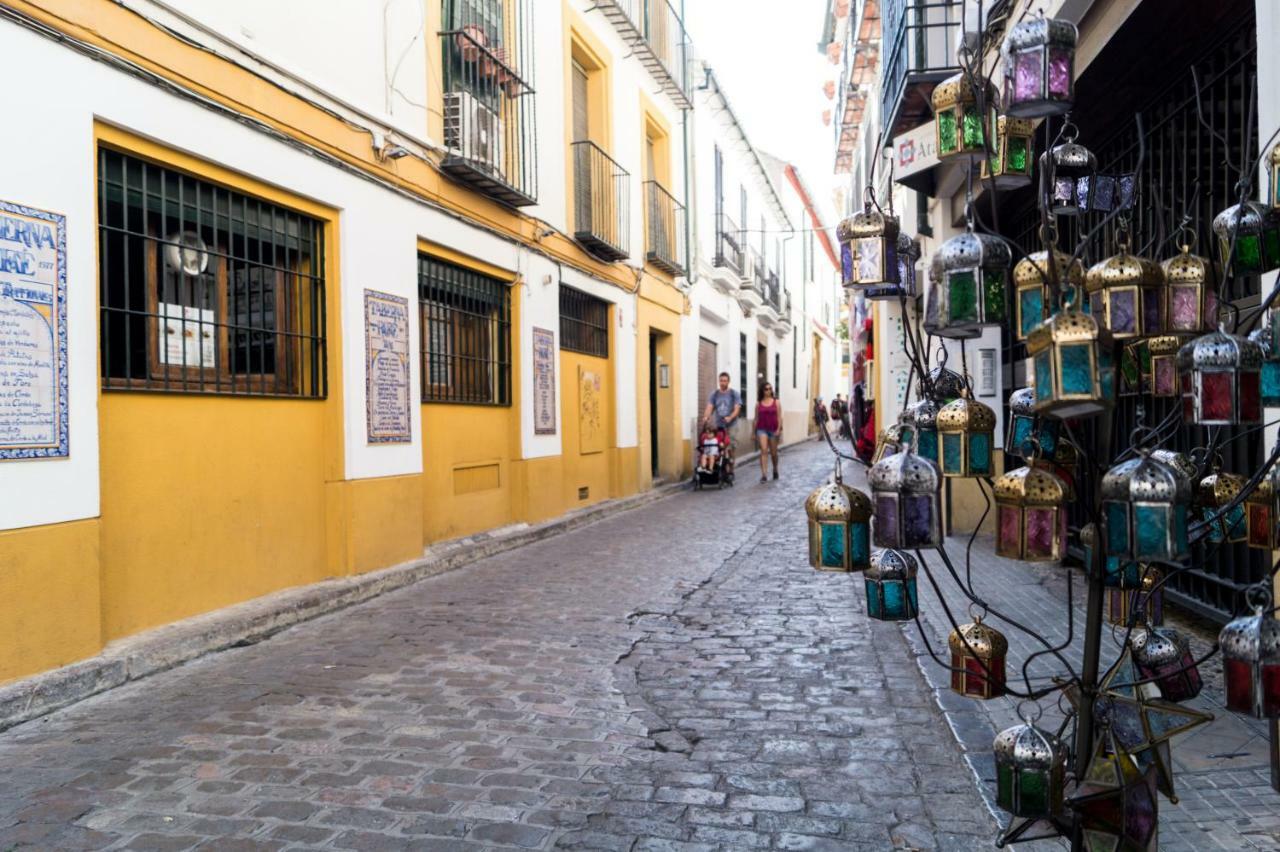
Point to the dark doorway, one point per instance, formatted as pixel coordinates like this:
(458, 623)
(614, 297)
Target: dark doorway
(762, 367)
(653, 404)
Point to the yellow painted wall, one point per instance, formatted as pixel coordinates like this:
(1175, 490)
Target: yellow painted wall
(49, 599)
(590, 470)
(656, 314)
(461, 444)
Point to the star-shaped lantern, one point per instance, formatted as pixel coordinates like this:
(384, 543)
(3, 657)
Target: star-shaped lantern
(1115, 801)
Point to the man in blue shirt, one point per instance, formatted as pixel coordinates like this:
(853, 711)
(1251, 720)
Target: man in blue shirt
(724, 404)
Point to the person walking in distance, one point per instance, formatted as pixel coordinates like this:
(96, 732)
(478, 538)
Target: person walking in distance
(768, 430)
(820, 416)
(723, 406)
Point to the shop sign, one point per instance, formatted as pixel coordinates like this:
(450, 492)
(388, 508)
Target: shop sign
(914, 151)
(386, 380)
(33, 341)
(544, 382)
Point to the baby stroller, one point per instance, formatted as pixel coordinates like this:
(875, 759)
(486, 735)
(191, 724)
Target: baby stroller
(720, 473)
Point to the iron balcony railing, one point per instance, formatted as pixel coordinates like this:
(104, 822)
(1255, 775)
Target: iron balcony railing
(664, 229)
(602, 202)
(920, 40)
(656, 35)
(489, 121)
(773, 291)
(729, 245)
(753, 276)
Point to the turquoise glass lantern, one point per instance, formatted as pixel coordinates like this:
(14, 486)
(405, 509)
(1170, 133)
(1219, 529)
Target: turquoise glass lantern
(890, 584)
(1214, 496)
(1031, 285)
(1025, 424)
(923, 418)
(839, 528)
(1255, 229)
(1268, 338)
(966, 438)
(970, 292)
(1074, 366)
(1144, 508)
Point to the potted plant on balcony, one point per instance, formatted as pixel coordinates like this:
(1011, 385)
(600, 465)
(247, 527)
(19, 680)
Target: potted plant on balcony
(471, 42)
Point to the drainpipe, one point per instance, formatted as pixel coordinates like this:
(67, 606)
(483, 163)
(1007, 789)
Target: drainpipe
(686, 115)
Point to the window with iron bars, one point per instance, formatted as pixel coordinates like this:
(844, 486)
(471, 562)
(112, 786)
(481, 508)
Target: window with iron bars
(205, 289)
(584, 323)
(466, 334)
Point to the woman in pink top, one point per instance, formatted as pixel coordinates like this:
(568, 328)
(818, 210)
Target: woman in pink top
(768, 430)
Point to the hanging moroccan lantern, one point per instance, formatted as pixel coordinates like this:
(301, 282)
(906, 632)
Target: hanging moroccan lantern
(1135, 367)
(1144, 509)
(975, 272)
(977, 660)
(1256, 231)
(844, 236)
(1164, 654)
(1031, 519)
(893, 438)
(1163, 354)
(922, 416)
(839, 528)
(1145, 603)
(1030, 766)
(966, 432)
(1269, 374)
(1180, 462)
(1192, 305)
(1074, 366)
(1251, 661)
(1038, 59)
(946, 385)
(1126, 293)
(1068, 162)
(1123, 574)
(873, 239)
(1025, 424)
(962, 124)
(1221, 380)
(1115, 802)
(906, 490)
(1273, 166)
(1009, 166)
(1214, 494)
(891, 586)
(1099, 193)
(1260, 516)
(1030, 280)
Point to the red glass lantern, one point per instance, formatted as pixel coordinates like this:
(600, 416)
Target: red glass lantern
(977, 660)
(1260, 517)
(1164, 654)
(1251, 660)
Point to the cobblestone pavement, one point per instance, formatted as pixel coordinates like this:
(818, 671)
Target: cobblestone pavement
(672, 677)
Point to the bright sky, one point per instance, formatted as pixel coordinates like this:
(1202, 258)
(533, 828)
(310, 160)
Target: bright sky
(765, 55)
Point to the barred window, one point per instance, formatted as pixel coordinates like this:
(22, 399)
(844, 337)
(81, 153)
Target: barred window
(466, 334)
(205, 289)
(584, 323)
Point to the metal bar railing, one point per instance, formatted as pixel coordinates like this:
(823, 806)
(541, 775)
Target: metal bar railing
(664, 228)
(918, 37)
(663, 30)
(729, 245)
(601, 201)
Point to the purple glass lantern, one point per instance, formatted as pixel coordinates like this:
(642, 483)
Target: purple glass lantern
(906, 490)
(1038, 59)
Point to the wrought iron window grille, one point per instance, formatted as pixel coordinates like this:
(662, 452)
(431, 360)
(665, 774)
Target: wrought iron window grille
(584, 323)
(466, 334)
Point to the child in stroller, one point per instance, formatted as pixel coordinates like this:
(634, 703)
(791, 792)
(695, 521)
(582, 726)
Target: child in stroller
(713, 458)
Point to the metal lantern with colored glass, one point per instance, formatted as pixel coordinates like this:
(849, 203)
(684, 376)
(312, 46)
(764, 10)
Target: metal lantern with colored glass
(971, 291)
(906, 494)
(1144, 509)
(1215, 496)
(1031, 515)
(1260, 516)
(966, 438)
(1030, 767)
(1163, 354)
(893, 438)
(1221, 380)
(1031, 286)
(923, 418)
(1127, 607)
(873, 240)
(1269, 374)
(890, 584)
(1273, 179)
(1164, 654)
(1126, 293)
(1101, 193)
(1009, 166)
(962, 124)
(1074, 367)
(839, 528)
(945, 385)
(1025, 425)
(977, 660)
(1037, 58)
(1068, 163)
(1251, 661)
(1249, 235)
(844, 236)
(1115, 803)
(1191, 304)
(908, 254)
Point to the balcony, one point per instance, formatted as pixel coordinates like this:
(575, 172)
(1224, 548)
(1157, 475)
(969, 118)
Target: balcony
(751, 293)
(920, 40)
(489, 124)
(664, 229)
(726, 275)
(770, 313)
(656, 36)
(601, 203)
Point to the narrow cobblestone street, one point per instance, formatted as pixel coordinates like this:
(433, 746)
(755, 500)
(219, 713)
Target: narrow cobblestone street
(673, 677)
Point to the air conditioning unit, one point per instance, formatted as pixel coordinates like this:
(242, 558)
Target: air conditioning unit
(473, 131)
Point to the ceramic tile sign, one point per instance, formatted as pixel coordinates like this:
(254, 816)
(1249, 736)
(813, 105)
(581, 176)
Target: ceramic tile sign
(33, 341)
(386, 365)
(544, 382)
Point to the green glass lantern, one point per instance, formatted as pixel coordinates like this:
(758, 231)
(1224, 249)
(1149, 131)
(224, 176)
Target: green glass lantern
(890, 584)
(1214, 495)
(872, 237)
(932, 310)
(1030, 769)
(966, 438)
(1221, 380)
(1135, 367)
(839, 528)
(970, 293)
(1025, 425)
(922, 416)
(1126, 294)
(1009, 166)
(962, 124)
(1191, 303)
(1256, 231)
(1074, 365)
(1030, 282)
(1144, 508)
